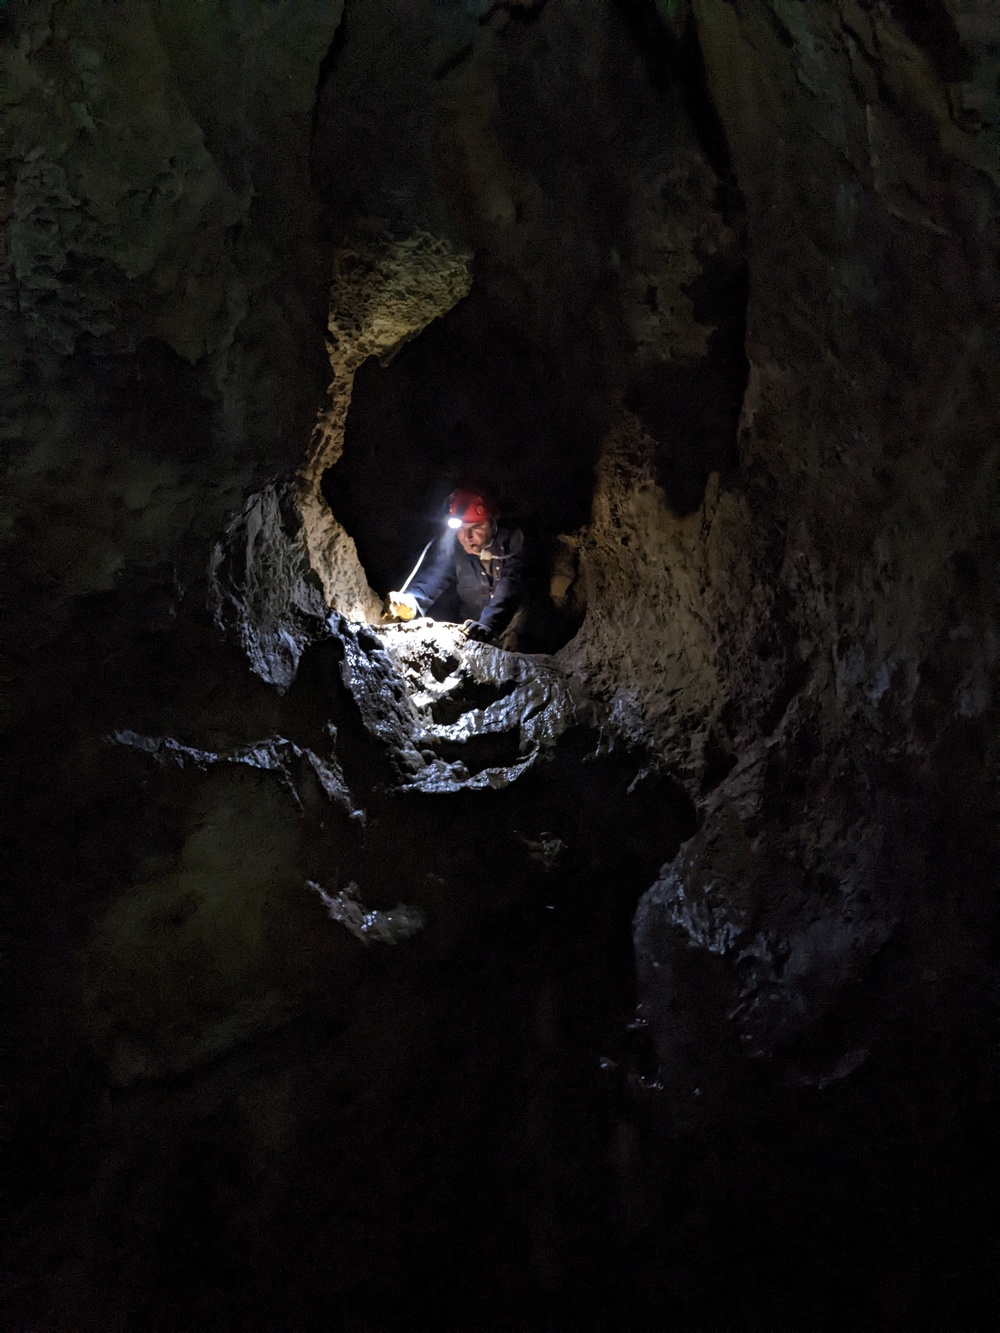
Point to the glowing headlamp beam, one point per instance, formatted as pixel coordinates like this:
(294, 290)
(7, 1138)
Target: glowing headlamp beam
(454, 523)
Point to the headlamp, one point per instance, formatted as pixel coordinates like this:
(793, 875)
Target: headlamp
(467, 507)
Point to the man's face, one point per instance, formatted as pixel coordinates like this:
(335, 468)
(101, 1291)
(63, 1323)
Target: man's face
(473, 537)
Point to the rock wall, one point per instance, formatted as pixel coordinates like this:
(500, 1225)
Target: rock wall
(841, 600)
(869, 366)
(385, 291)
(362, 977)
(166, 344)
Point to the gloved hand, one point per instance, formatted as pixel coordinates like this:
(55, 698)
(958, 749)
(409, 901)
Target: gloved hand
(403, 605)
(473, 630)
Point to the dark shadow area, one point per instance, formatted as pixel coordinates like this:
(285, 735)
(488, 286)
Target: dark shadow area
(448, 710)
(427, 1130)
(328, 64)
(930, 25)
(470, 400)
(516, 385)
(692, 410)
(674, 61)
(156, 399)
(477, 753)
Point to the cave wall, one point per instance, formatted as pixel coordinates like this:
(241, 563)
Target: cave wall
(848, 606)
(864, 214)
(849, 136)
(163, 347)
(744, 255)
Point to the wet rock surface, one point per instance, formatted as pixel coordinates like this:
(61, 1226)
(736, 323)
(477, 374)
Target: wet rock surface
(423, 690)
(792, 911)
(497, 712)
(363, 977)
(262, 588)
(403, 710)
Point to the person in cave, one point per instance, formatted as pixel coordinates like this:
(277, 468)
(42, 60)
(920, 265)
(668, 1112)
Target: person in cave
(474, 571)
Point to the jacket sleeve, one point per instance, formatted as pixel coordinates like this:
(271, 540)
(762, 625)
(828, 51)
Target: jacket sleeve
(507, 594)
(436, 573)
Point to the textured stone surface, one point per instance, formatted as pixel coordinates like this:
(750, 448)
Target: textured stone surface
(841, 581)
(370, 927)
(652, 659)
(795, 897)
(708, 292)
(417, 687)
(262, 589)
(167, 276)
(276, 755)
(385, 290)
(491, 712)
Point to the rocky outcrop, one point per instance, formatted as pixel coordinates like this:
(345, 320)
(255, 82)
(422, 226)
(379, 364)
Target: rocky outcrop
(168, 279)
(385, 290)
(482, 716)
(831, 586)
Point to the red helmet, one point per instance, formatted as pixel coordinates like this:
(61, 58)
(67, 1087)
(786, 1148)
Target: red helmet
(468, 507)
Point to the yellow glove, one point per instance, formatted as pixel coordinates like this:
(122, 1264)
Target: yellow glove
(403, 606)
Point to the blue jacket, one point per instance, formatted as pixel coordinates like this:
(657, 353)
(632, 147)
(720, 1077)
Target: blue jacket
(486, 591)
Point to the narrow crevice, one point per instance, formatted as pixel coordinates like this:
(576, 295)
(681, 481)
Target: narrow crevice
(475, 696)
(692, 409)
(930, 26)
(673, 60)
(453, 62)
(708, 127)
(326, 69)
(656, 45)
(479, 752)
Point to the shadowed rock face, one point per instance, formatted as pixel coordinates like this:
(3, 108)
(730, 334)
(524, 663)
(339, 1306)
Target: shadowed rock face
(364, 977)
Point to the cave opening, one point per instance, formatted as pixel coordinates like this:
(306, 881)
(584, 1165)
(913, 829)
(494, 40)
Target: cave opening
(363, 976)
(516, 381)
(468, 401)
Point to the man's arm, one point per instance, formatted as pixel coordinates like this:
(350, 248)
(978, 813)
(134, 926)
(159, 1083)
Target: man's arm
(435, 573)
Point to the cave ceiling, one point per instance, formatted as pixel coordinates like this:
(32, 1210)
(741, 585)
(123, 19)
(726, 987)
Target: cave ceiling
(361, 976)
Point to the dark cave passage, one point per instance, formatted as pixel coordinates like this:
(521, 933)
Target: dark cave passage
(465, 401)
